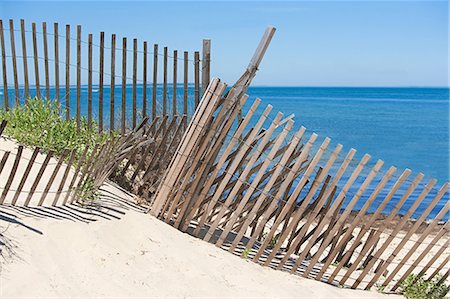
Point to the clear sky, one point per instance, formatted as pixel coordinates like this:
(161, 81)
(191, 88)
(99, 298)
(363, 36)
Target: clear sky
(364, 43)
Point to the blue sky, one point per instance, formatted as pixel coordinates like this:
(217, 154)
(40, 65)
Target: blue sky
(382, 43)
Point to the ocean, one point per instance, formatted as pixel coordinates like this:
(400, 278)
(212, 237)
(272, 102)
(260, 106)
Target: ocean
(404, 127)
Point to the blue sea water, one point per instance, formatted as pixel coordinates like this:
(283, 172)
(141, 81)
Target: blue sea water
(405, 127)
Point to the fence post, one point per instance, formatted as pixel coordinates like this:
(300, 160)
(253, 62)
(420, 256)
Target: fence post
(206, 61)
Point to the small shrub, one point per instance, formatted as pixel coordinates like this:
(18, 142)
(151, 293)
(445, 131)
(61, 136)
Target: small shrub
(246, 252)
(418, 288)
(39, 123)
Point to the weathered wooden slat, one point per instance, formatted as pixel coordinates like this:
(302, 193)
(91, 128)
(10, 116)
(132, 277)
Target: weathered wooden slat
(78, 116)
(185, 84)
(144, 82)
(206, 52)
(174, 82)
(24, 60)
(46, 68)
(196, 78)
(36, 61)
(89, 81)
(3, 124)
(155, 79)
(67, 96)
(53, 176)
(164, 112)
(438, 269)
(112, 84)
(134, 95)
(101, 78)
(14, 62)
(56, 58)
(38, 177)
(5, 80)
(25, 175)
(11, 174)
(124, 86)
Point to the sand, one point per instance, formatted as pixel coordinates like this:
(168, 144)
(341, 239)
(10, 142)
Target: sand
(117, 250)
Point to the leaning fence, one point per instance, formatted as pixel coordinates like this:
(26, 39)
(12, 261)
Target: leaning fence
(104, 79)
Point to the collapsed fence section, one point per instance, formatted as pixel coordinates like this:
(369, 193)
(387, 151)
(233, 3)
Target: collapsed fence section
(253, 187)
(111, 83)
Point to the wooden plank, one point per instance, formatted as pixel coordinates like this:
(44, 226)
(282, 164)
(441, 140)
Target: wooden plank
(67, 97)
(411, 231)
(442, 232)
(11, 174)
(65, 175)
(133, 121)
(101, 81)
(174, 82)
(124, 85)
(343, 216)
(56, 58)
(24, 59)
(90, 81)
(52, 177)
(356, 221)
(25, 175)
(386, 243)
(112, 85)
(78, 116)
(87, 164)
(5, 80)
(38, 177)
(391, 216)
(185, 85)
(3, 124)
(46, 68)
(196, 78)
(165, 82)
(14, 61)
(438, 269)
(206, 64)
(155, 79)
(36, 61)
(144, 83)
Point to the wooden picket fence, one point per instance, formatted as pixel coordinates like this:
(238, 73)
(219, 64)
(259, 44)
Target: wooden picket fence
(269, 199)
(163, 95)
(276, 201)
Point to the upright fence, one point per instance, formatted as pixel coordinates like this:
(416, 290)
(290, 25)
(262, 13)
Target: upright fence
(112, 82)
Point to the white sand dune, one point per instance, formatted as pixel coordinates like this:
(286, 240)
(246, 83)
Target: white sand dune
(119, 251)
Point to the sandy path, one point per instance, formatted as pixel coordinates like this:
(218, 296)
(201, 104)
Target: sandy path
(122, 252)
